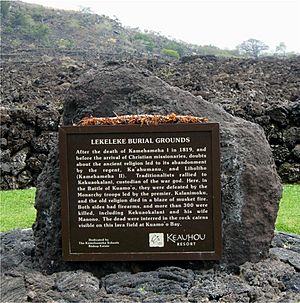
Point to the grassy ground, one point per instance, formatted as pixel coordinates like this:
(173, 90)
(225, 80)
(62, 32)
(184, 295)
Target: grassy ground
(17, 209)
(288, 218)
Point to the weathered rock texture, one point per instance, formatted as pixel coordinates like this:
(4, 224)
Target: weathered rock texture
(31, 96)
(250, 185)
(274, 280)
(26, 138)
(254, 90)
(35, 82)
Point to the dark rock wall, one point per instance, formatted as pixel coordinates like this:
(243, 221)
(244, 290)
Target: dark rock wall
(251, 188)
(26, 138)
(32, 92)
(264, 91)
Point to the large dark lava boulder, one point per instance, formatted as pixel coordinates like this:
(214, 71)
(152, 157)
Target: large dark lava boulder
(251, 187)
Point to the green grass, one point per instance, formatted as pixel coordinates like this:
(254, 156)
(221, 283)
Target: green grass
(17, 209)
(288, 219)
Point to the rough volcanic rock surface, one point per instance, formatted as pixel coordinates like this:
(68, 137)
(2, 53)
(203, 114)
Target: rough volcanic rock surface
(264, 91)
(274, 280)
(31, 100)
(16, 250)
(251, 188)
(27, 135)
(35, 82)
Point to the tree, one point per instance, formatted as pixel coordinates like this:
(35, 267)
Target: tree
(86, 10)
(281, 49)
(252, 47)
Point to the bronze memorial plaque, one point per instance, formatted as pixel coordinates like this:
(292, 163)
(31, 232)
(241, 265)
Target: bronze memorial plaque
(140, 192)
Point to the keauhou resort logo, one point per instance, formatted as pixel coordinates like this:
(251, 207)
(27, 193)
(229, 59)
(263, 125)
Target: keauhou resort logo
(185, 239)
(156, 240)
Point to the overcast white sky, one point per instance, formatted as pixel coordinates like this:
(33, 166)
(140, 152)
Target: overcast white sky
(222, 23)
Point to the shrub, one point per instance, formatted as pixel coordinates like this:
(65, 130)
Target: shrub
(40, 31)
(4, 8)
(170, 53)
(36, 30)
(65, 43)
(73, 24)
(8, 29)
(173, 45)
(38, 13)
(22, 19)
(146, 40)
(16, 42)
